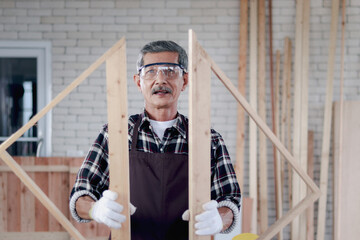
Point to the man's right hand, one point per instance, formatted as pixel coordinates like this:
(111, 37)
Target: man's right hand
(108, 211)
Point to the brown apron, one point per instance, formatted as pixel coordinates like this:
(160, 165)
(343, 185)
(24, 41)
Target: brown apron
(159, 191)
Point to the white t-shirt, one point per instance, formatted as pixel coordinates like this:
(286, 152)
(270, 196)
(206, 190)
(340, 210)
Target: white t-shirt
(159, 127)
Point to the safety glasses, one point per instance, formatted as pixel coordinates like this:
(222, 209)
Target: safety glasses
(170, 71)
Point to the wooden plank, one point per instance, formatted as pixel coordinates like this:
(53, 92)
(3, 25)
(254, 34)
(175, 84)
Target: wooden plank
(277, 163)
(199, 133)
(58, 192)
(325, 147)
(27, 201)
(35, 235)
(310, 211)
(40, 195)
(285, 130)
(304, 109)
(61, 96)
(41, 214)
(116, 83)
(263, 179)
(338, 149)
(253, 101)
(240, 130)
(246, 214)
(3, 200)
(14, 207)
(346, 171)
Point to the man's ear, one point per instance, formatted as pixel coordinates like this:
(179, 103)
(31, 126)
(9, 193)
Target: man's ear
(186, 81)
(137, 81)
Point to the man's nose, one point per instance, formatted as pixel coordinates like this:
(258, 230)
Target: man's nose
(161, 76)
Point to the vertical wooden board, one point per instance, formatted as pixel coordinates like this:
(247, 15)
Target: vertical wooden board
(118, 135)
(325, 147)
(58, 192)
(199, 133)
(277, 163)
(240, 135)
(41, 213)
(27, 200)
(304, 109)
(252, 126)
(310, 171)
(297, 110)
(246, 214)
(3, 199)
(346, 171)
(14, 207)
(263, 179)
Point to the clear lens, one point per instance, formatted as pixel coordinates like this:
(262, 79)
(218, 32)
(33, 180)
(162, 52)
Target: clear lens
(170, 72)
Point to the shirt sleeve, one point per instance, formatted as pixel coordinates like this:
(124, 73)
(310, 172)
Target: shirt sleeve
(93, 176)
(224, 186)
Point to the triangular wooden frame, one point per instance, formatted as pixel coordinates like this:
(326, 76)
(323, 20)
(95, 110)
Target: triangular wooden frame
(118, 49)
(197, 52)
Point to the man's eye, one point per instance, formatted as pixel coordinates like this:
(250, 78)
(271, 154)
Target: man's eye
(150, 71)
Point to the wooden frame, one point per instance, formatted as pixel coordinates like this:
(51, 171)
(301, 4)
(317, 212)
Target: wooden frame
(201, 63)
(24, 177)
(315, 192)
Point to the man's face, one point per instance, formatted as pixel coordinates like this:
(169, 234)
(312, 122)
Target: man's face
(161, 92)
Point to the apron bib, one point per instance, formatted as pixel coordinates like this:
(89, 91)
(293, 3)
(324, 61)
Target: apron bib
(159, 190)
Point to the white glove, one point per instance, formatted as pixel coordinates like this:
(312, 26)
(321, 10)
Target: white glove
(108, 211)
(208, 222)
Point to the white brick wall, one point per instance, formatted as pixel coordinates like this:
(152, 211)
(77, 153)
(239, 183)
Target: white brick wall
(81, 31)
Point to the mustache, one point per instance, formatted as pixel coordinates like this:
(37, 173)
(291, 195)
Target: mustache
(161, 88)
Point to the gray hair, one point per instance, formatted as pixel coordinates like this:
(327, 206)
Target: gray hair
(162, 46)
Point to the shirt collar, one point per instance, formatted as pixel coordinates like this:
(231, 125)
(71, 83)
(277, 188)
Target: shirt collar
(179, 124)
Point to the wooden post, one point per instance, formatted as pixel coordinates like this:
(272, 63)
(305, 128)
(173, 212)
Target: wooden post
(300, 108)
(253, 102)
(263, 180)
(310, 170)
(240, 135)
(199, 133)
(118, 136)
(325, 147)
(277, 163)
(285, 129)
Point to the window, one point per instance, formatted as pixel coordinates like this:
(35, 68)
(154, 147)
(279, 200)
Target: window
(25, 88)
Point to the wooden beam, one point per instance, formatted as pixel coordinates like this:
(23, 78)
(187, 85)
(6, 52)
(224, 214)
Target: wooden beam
(325, 147)
(310, 171)
(346, 171)
(60, 96)
(39, 194)
(277, 163)
(339, 135)
(199, 133)
(263, 179)
(116, 83)
(285, 118)
(240, 135)
(253, 101)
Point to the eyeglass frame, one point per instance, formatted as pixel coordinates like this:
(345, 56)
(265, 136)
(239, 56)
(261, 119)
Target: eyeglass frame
(162, 63)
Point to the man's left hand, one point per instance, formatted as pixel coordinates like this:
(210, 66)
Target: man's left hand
(208, 222)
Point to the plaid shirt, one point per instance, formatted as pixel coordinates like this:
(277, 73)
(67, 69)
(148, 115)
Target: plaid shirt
(93, 176)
